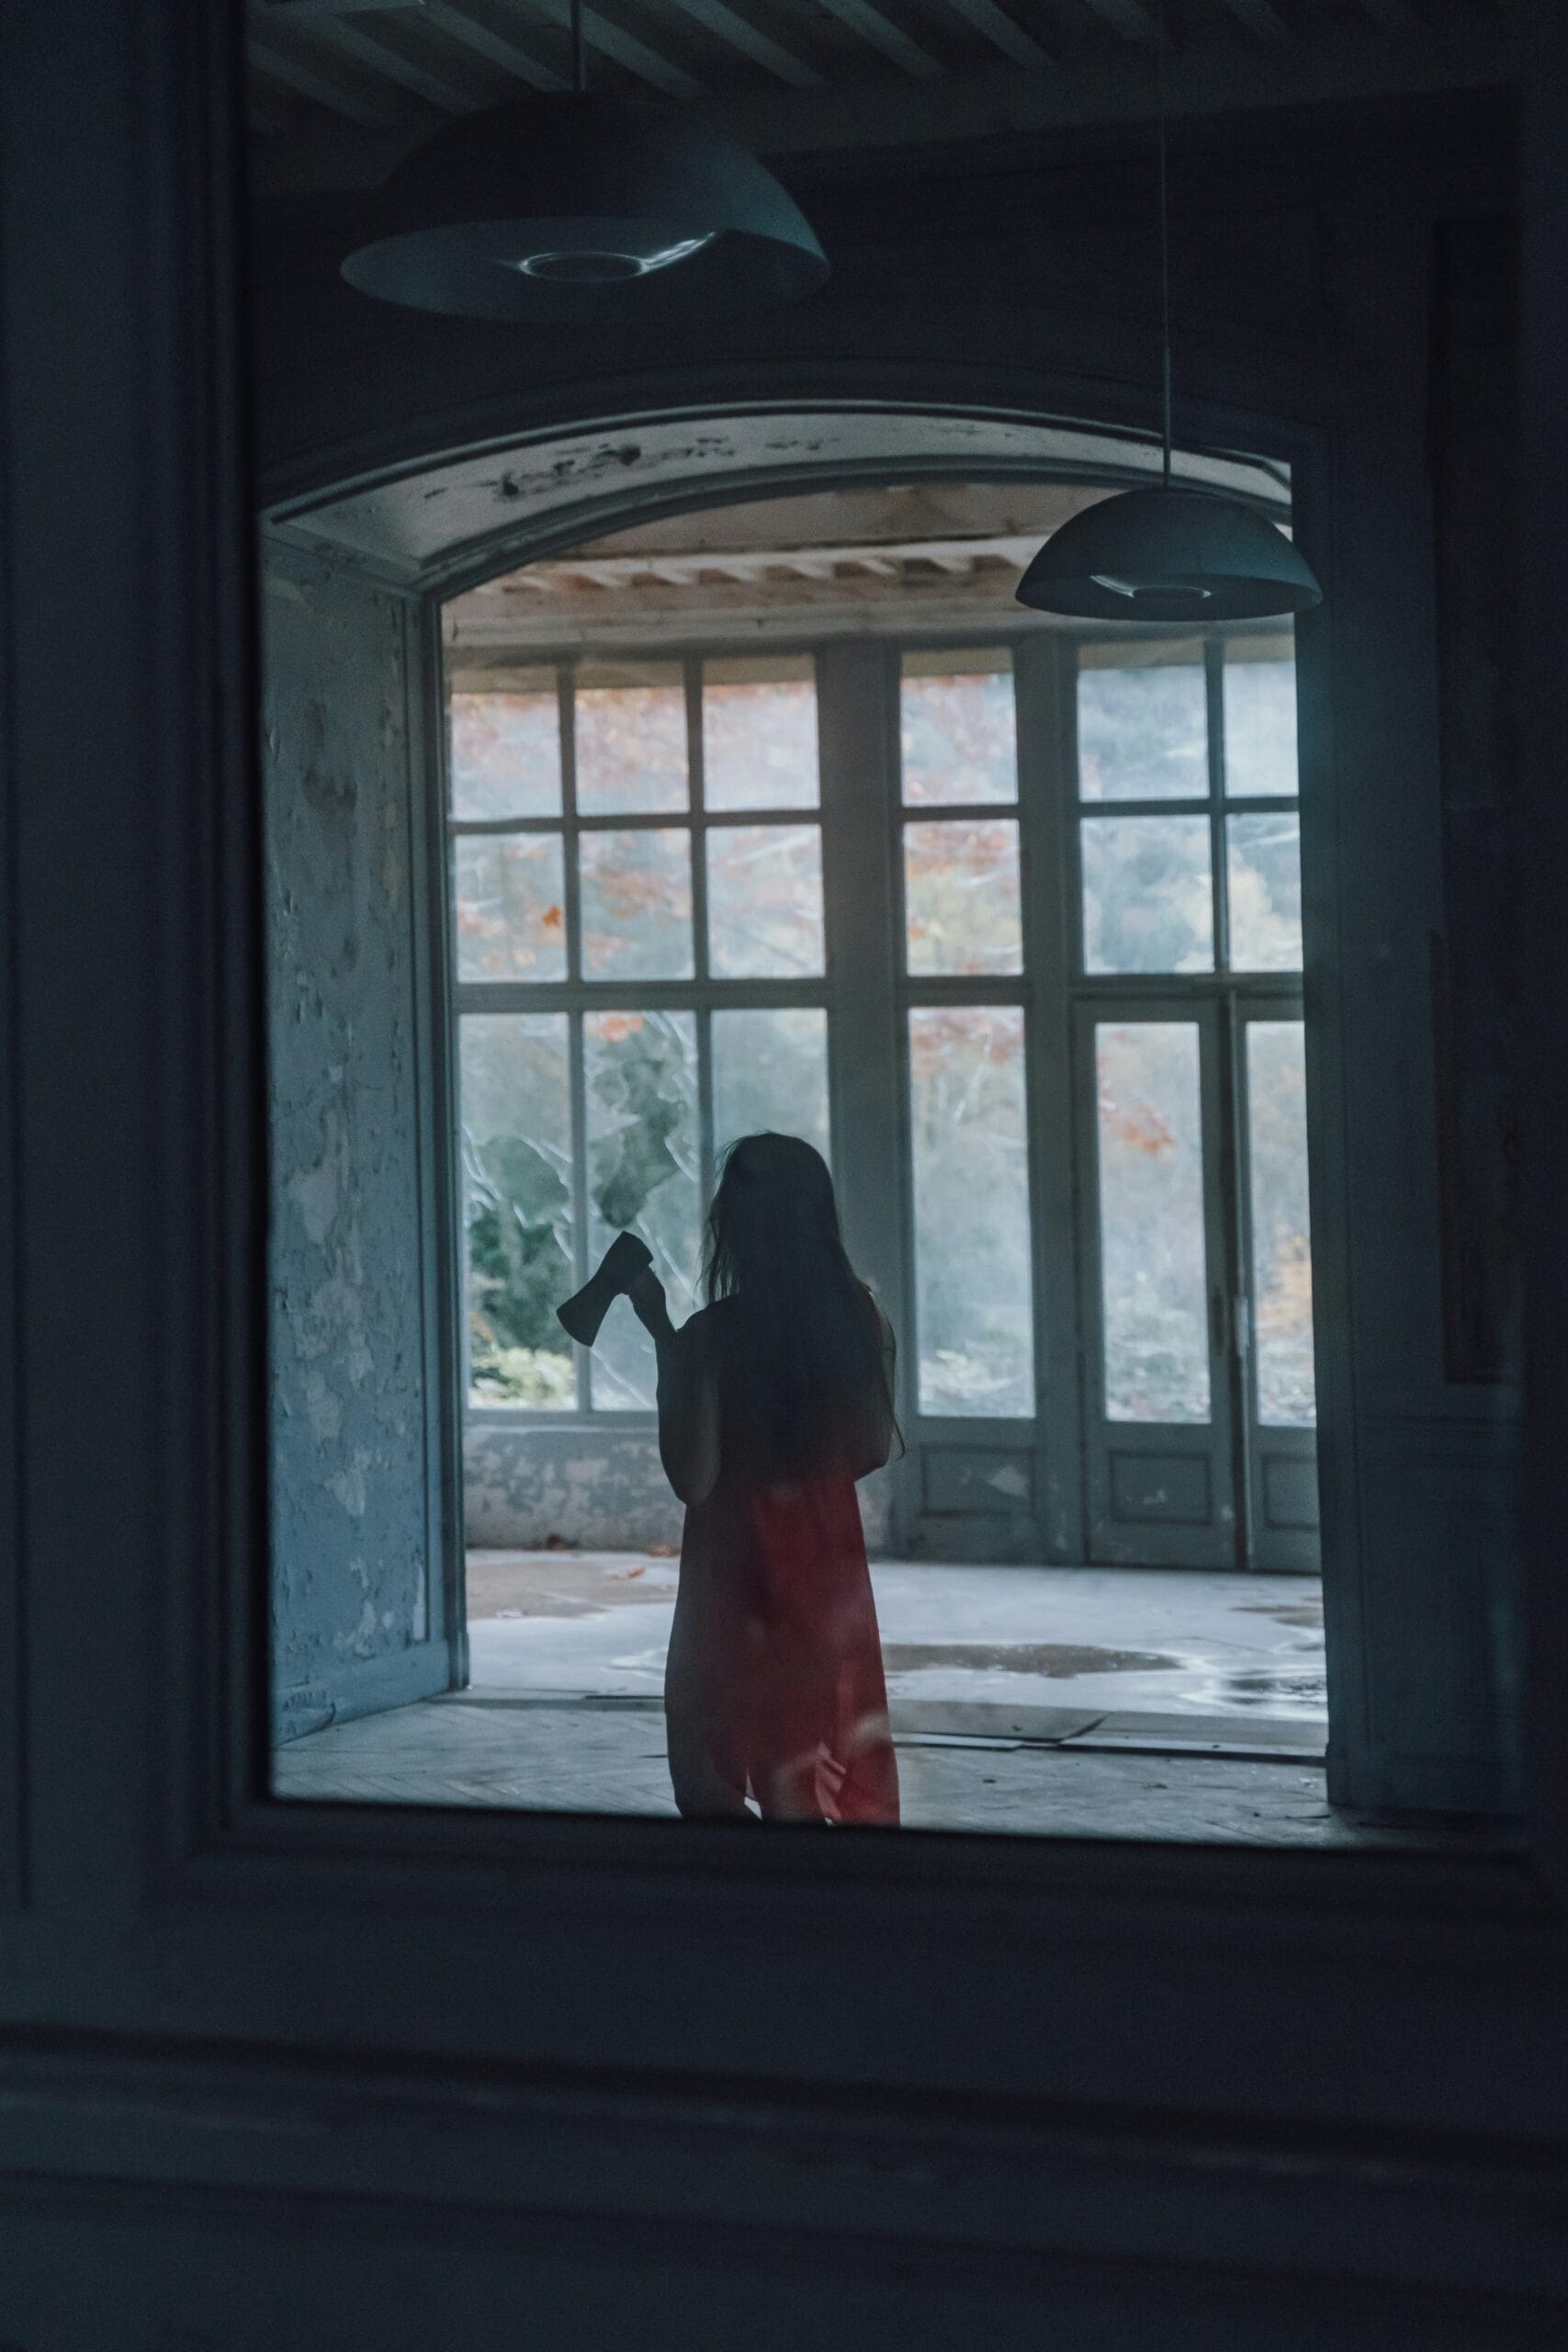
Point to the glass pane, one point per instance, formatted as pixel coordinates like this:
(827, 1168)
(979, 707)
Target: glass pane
(960, 897)
(1263, 860)
(1147, 894)
(506, 752)
(764, 902)
(959, 739)
(637, 904)
(973, 1282)
(510, 892)
(760, 732)
(640, 1070)
(1260, 723)
(631, 739)
(1144, 731)
(1281, 1243)
(770, 1070)
(516, 1130)
(1151, 1221)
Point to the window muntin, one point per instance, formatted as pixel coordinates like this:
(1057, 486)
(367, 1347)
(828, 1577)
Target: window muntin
(764, 902)
(1281, 1250)
(770, 1070)
(644, 1176)
(519, 1212)
(959, 857)
(629, 738)
(707, 905)
(1144, 722)
(759, 743)
(1199, 869)
(1147, 894)
(962, 909)
(510, 895)
(958, 736)
(1188, 837)
(1154, 1279)
(505, 748)
(637, 903)
(973, 1277)
(589, 864)
(1263, 879)
(1259, 704)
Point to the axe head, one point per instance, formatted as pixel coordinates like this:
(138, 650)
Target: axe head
(585, 1311)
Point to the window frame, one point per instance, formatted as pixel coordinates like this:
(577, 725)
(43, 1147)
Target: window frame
(574, 995)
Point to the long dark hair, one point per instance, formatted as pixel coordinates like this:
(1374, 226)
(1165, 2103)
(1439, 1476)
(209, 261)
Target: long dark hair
(803, 1368)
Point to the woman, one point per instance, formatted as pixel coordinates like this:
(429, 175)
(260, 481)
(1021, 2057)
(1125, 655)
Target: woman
(773, 1401)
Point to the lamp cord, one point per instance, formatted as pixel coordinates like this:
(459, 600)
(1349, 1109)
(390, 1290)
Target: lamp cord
(1164, 249)
(579, 52)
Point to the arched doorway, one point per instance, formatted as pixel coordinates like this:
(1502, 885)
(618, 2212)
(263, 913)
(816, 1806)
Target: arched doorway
(1066, 1470)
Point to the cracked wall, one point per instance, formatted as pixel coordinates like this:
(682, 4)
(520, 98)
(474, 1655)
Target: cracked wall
(600, 1492)
(352, 1464)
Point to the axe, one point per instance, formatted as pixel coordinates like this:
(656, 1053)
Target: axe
(618, 1269)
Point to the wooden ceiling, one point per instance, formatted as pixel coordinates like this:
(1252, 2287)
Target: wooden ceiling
(340, 87)
(856, 560)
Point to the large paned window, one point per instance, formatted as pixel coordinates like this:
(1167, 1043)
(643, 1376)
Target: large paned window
(639, 950)
(962, 927)
(1189, 868)
(1197, 1271)
(1059, 880)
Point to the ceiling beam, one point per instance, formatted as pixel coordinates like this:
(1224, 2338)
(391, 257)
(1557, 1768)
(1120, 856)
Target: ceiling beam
(458, 25)
(450, 98)
(303, 8)
(1394, 16)
(322, 86)
(716, 17)
(1260, 17)
(882, 34)
(623, 49)
(1003, 33)
(1131, 18)
(597, 33)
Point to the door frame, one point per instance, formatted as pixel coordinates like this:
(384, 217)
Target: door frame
(1136, 1536)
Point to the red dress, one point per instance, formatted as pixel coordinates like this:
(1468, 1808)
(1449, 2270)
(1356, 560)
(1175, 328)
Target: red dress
(774, 1681)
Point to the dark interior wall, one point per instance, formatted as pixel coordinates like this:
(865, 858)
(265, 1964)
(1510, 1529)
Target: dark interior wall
(1321, 306)
(1034, 256)
(287, 2076)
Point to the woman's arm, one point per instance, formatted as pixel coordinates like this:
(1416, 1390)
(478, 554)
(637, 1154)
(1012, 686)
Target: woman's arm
(688, 1393)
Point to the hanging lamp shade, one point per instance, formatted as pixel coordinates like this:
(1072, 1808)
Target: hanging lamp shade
(1170, 555)
(582, 210)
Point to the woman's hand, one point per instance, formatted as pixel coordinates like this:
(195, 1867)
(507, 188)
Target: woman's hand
(649, 1305)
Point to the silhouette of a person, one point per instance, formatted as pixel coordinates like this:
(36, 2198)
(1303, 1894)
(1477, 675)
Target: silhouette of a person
(774, 1399)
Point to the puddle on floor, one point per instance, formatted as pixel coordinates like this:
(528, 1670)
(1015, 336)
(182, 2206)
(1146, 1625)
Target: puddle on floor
(1258, 1689)
(1060, 1662)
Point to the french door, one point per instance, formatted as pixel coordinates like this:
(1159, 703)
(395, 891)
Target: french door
(1012, 932)
(1194, 1282)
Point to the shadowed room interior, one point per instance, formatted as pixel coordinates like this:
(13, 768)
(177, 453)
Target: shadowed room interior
(955, 596)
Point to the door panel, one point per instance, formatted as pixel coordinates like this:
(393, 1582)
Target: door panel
(1157, 1417)
(972, 1378)
(1277, 1255)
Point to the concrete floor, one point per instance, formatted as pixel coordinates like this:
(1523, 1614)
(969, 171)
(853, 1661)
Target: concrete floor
(1095, 1641)
(1037, 1701)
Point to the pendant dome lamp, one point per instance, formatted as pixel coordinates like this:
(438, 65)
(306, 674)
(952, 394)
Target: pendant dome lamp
(1169, 554)
(577, 210)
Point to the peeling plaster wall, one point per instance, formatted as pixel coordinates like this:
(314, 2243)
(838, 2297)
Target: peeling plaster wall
(353, 1461)
(605, 1491)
